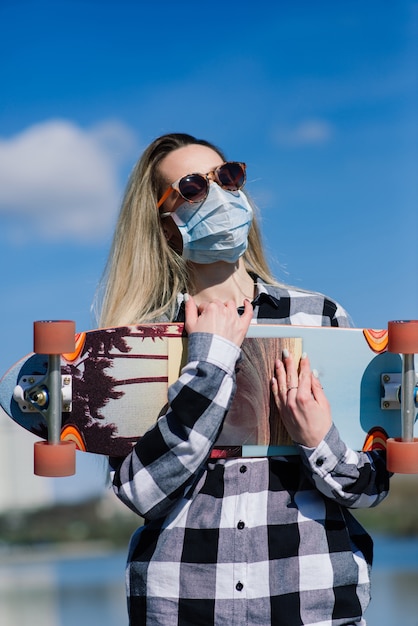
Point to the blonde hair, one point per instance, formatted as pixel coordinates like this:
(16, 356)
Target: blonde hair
(143, 274)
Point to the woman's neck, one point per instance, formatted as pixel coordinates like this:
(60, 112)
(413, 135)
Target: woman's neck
(221, 281)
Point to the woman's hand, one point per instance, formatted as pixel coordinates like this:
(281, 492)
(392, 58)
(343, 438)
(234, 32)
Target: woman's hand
(301, 401)
(218, 318)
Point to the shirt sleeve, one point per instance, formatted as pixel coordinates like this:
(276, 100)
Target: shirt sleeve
(353, 479)
(335, 315)
(342, 318)
(160, 467)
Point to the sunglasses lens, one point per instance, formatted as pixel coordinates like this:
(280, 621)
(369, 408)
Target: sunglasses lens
(193, 187)
(231, 176)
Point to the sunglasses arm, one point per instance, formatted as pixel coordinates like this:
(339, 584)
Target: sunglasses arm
(164, 197)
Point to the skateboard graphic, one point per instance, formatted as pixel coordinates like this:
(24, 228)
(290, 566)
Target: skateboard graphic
(100, 391)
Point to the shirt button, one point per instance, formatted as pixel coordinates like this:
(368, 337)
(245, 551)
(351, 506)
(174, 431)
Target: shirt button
(240, 525)
(243, 469)
(319, 462)
(239, 586)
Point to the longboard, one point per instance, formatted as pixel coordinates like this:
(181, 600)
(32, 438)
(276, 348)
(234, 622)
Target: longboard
(114, 387)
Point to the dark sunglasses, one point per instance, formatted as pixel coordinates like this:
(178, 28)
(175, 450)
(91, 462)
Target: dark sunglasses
(195, 187)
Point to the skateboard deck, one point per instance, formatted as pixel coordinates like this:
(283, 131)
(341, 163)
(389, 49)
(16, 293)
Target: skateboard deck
(115, 385)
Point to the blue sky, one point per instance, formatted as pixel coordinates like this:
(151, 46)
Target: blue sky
(320, 99)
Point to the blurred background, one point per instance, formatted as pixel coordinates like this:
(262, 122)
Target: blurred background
(318, 98)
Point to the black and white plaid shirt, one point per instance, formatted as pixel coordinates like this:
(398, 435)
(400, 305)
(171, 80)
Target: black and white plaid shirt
(245, 541)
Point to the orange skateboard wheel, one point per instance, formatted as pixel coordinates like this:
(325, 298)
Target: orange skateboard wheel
(402, 456)
(54, 337)
(403, 337)
(54, 459)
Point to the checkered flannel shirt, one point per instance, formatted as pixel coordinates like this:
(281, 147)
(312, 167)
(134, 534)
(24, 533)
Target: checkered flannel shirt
(245, 541)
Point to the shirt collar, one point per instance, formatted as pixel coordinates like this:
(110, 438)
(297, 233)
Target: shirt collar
(262, 297)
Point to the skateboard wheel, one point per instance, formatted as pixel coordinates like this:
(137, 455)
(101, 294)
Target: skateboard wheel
(54, 459)
(403, 337)
(402, 456)
(53, 337)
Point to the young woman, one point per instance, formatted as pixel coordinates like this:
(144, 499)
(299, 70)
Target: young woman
(230, 541)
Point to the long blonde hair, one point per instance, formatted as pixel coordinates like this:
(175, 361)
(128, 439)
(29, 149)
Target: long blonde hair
(143, 274)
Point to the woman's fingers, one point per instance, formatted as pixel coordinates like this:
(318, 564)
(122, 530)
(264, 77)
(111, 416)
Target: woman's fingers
(218, 318)
(301, 401)
(190, 311)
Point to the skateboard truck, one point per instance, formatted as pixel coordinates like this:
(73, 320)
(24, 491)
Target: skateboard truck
(392, 389)
(402, 452)
(52, 338)
(31, 393)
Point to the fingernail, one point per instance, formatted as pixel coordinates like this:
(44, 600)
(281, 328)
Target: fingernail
(315, 373)
(304, 355)
(186, 297)
(286, 353)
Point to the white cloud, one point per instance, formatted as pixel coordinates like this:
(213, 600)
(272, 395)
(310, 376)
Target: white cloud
(59, 181)
(306, 133)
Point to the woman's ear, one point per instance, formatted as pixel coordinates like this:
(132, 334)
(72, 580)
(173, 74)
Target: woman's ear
(172, 234)
(166, 233)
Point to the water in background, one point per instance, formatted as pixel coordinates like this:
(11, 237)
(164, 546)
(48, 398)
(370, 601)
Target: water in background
(81, 589)
(74, 589)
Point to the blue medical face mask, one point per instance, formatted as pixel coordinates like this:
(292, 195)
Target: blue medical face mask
(215, 229)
